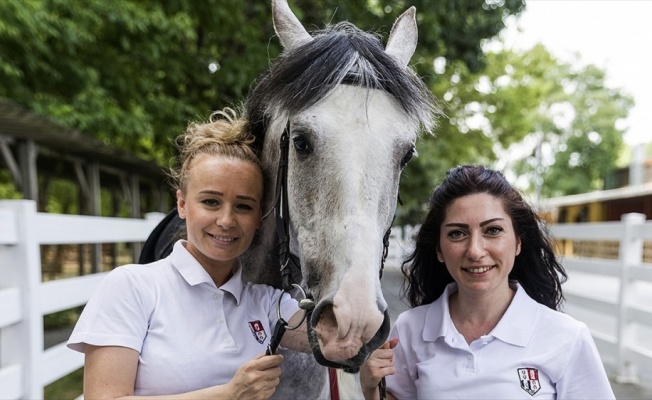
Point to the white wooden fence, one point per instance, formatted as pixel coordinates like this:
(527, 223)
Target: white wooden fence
(613, 297)
(25, 368)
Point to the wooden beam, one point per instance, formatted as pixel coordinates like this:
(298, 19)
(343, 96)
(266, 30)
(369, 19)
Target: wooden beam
(27, 154)
(11, 163)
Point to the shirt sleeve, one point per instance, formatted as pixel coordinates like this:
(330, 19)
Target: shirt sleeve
(288, 307)
(114, 316)
(402, 383)
(585, 376)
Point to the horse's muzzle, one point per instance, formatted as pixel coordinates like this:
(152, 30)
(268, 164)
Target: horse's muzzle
(353, 363)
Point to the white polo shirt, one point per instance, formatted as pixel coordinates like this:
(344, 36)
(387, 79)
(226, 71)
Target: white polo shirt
(190, 334)
(533, 353)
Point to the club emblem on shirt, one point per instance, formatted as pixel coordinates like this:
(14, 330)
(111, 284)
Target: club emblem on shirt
(529, 380)
(258, 330)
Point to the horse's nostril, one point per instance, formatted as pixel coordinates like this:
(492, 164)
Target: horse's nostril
(324, 316)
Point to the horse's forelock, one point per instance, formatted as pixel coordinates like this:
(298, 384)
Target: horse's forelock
(340, 54)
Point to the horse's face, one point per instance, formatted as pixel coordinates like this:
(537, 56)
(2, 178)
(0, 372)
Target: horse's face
(346, 157)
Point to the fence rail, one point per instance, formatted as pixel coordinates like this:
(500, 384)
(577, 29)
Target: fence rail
(612, 296)
(25, 367)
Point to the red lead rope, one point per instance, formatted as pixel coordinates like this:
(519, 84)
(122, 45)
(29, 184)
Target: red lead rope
(335, 390)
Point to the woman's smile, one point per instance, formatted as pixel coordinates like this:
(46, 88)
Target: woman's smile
(221, 238)
(478, 270)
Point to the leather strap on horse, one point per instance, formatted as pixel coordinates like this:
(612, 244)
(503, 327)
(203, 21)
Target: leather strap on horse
(286, 258)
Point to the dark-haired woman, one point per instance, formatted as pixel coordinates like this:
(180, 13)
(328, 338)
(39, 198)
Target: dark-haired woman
(485, 287)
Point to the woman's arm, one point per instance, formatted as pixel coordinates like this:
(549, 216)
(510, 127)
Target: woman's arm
(297, 339)
(110, 373)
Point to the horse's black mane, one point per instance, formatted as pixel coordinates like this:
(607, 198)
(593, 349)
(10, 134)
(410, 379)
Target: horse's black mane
(340, 54)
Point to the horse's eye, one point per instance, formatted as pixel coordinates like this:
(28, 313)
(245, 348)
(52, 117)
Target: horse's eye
(301, 145)
(407, 157)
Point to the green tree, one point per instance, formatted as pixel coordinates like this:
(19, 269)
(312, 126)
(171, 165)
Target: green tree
(129, 72)
(553, 123)
(134, 72)
(589, 147)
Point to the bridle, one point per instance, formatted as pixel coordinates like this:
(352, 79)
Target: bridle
(287, 260)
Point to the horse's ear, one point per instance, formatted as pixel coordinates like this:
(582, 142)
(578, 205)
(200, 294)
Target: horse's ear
(287, 26)
(403, 37)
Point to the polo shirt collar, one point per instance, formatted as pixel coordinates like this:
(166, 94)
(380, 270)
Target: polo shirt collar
(517, 324)
(438, 321)
(235, 285)
(515, 327)
(194, 274)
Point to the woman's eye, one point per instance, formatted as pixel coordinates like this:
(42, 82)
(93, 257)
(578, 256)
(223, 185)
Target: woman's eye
(494, 230)
(210, 202)
(302, 145)
(245, 207)
(455, 234)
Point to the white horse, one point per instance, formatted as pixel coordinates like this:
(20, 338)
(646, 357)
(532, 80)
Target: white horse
(351, 110)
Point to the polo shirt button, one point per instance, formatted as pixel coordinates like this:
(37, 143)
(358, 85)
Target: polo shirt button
(217, 296)
(469, 356)
(220, 320)
(227, 340)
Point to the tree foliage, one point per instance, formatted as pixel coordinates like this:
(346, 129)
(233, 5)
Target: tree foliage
(134, 72)
(553, 123)
(130, 72)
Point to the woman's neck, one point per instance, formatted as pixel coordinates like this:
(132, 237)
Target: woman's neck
(477, 315)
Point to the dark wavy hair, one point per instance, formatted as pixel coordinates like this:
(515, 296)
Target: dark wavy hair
(536, 268)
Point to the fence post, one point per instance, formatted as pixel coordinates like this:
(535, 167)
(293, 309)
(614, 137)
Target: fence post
(22, 343)
(630, 254)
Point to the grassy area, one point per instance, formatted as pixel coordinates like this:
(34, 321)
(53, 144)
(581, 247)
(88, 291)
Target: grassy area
(67, 388)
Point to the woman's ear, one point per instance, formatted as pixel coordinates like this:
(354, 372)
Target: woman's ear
(440, 257)
(518, 245)
(181, 204)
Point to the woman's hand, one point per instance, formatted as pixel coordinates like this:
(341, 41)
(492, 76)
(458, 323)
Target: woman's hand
(256, 379)
(377, 366)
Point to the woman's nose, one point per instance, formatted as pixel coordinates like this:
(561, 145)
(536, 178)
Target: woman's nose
(476, 249)
(225, 218)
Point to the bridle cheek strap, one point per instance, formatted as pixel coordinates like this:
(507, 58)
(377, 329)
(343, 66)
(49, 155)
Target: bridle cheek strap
(286, 258)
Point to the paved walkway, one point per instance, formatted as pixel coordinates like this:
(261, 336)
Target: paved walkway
(391, 283)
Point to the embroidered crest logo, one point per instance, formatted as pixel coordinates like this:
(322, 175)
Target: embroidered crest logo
(258, 330)
(529, 380)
